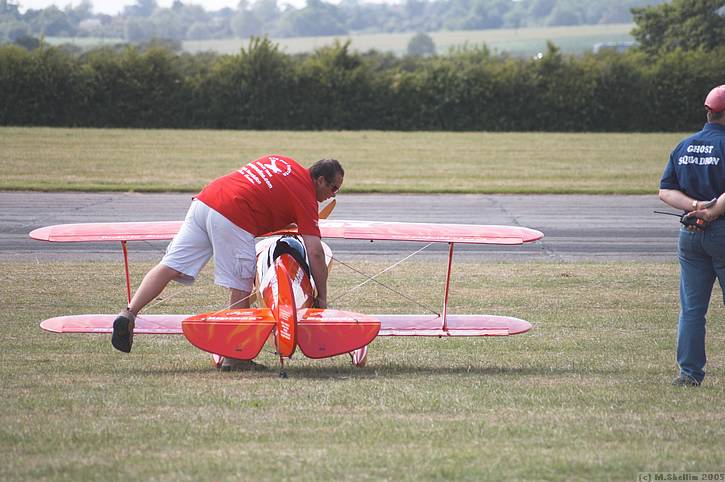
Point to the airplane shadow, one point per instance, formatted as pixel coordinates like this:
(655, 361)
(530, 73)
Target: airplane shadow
(388, 370)
(398, 370)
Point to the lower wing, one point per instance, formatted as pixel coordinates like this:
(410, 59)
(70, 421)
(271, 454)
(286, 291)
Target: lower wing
(145, 325)
(390, 325)
(455, 325)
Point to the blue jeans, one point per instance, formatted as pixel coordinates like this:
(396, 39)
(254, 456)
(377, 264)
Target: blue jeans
(702, 259)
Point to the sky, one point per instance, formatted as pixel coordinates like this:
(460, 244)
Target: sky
(112, 7)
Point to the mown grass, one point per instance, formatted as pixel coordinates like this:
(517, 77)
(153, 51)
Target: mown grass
(584, 395)
(521, 42)
(182, 160)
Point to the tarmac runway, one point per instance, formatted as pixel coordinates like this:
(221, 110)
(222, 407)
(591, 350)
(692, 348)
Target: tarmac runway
(576, 227)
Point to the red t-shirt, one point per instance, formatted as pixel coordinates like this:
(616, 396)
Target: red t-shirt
(266, 195)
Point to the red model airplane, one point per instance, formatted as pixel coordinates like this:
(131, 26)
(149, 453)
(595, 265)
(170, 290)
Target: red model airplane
(286, 290)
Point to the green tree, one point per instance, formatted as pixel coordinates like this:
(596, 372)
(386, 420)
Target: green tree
(245, 24)
(250, 90)
(337, 90)
(685, 24)
(167, 24)
(82, 11)
(12, 30)
(135, 89)
(138, 29)
(53, 23)
(317, 18)
(421, 45)
(142, 8)
(27, 42)
(266, 10)
(197, 31)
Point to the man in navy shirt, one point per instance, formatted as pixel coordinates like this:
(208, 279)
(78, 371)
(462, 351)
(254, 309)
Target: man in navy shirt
(694, 176)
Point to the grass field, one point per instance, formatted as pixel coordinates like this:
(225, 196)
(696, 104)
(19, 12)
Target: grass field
(518, 42)
(584, 396)
(375, 161)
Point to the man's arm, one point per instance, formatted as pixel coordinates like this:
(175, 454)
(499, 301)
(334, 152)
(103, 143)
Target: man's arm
(316, 255)
(713, 212)
(680, 200)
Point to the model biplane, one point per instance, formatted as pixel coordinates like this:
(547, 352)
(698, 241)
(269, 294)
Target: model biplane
(286, 290)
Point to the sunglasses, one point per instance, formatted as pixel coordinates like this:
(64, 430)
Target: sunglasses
(333, 187)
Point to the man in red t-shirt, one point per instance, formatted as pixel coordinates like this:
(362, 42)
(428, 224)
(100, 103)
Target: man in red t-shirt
(224, 218)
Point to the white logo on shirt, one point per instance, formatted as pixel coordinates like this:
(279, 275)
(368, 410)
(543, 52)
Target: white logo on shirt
(700, 149)
(258, 172)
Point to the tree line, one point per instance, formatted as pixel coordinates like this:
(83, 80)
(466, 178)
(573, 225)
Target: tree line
(185, 21)
(658, 86)
(470, 89)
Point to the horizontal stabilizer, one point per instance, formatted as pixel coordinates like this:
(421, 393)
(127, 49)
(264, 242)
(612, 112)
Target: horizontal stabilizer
(239, 334)
(326, 333)
(456, 325)
(145, 324)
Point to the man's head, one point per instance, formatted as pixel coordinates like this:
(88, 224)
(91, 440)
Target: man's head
(327, 175)
(715, 104)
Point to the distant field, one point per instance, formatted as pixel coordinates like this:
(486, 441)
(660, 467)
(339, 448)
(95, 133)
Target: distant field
(584, 396)
(519, 42)
(84, 42)
(375, 161)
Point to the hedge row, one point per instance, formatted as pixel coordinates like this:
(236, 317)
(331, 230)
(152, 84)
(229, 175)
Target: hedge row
(334, 88)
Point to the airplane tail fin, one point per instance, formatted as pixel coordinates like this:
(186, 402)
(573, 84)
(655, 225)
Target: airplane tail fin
(318, 333)
(284, 310)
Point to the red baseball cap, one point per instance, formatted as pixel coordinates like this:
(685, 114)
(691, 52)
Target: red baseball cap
(715, 100)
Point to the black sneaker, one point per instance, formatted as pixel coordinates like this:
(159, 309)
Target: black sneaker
(685, 381)
(122, 337)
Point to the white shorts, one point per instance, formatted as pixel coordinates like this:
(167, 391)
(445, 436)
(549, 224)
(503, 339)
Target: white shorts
(206, 233)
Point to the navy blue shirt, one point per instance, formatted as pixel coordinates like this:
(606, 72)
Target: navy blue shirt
(697, 166)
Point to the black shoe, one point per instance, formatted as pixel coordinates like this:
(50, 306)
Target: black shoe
(685, 381)
(122, 337)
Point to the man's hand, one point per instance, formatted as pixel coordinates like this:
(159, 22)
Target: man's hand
(707, 213)
(318, 268)
(693, 222)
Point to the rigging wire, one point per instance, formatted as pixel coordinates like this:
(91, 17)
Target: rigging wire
(372, 278)
(344, 294)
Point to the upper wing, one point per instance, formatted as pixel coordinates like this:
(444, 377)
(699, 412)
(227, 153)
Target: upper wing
(367, 230)
(428, 232)
(84, 232)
